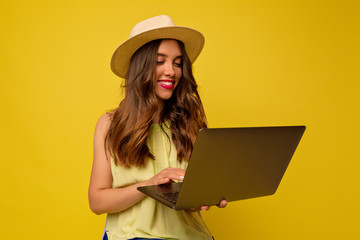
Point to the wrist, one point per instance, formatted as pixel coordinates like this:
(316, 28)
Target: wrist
(142, 184)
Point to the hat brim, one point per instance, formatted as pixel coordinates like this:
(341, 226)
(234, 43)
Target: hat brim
(192, 39)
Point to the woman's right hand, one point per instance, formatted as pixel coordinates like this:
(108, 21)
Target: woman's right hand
(167, 175)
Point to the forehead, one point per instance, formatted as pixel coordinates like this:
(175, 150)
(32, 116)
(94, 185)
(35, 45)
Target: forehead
(169, 47)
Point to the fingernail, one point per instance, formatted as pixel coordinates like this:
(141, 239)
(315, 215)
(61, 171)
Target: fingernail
(182, 177)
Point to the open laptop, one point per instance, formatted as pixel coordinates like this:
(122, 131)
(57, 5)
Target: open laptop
(231, 164)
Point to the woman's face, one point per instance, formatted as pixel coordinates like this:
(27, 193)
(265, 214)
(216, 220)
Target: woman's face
(168, 69)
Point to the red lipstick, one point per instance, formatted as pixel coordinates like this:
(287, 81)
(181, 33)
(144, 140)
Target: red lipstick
(166, 83)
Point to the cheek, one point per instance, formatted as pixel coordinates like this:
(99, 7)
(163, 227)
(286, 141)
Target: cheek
(158, 71)
(178, 73)
(178, 77)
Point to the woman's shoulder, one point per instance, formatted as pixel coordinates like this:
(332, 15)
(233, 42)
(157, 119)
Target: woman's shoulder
(104, 121)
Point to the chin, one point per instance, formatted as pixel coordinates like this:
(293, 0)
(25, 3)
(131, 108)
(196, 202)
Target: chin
(164, 96)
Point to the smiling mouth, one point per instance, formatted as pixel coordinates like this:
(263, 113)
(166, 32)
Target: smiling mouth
(167, 84)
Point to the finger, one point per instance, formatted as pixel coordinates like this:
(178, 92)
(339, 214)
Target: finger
(222, 204)
(175, 173)
(164, 180)
(174, 176)
(205, 208)
(179, 177)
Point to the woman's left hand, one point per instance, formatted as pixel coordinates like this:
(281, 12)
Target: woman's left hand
(222, 204)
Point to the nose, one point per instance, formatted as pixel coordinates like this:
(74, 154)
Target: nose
(169, 70)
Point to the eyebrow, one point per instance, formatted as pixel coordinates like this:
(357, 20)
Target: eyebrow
(164, 55)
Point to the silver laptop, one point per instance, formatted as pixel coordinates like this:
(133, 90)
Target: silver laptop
(231, 164)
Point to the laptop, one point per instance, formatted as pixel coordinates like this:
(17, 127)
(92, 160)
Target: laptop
(232, 164)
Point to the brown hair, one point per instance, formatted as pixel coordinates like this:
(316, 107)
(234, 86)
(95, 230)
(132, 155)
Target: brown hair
(131, 121)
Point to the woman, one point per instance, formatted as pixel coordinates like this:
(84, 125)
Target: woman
(148, 139)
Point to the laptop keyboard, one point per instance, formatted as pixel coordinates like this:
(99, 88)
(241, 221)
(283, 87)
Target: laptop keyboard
(169, 196)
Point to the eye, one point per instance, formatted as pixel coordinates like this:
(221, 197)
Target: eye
(178, 63)
(160, 60)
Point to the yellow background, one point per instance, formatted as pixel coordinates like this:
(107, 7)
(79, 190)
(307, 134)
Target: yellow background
(264, 63)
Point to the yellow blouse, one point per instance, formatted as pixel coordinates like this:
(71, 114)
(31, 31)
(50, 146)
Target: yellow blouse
(149, 218)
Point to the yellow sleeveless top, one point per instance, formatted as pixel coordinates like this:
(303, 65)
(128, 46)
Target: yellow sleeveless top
(150, 218)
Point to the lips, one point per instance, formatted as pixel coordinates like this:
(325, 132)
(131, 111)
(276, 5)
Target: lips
(166, 83)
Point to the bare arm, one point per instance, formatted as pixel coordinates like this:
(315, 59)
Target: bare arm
(102, 197)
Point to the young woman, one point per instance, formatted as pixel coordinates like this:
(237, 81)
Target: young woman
(148, 139)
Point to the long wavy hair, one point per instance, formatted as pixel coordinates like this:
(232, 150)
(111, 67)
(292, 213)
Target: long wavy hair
(131, 121)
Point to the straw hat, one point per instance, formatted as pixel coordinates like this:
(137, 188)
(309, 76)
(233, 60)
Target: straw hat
(158, 27)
